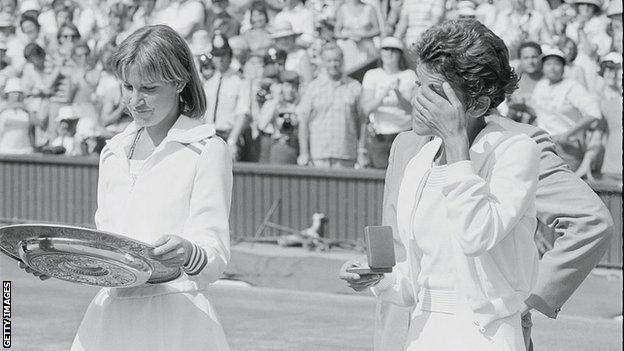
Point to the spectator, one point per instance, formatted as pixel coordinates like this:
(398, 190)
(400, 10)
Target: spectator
(356, 26)
(519, 24)
(385, 100)
(465, 10)
(572, 70)
(184, 16)
(52, 17)
(84, 79)
(7, 27)
(611, 107)
(66, 142)
(416, 17)
(255, 93)
(221, 20)
(5, 65)
(35, 87)
(530, 69)
(29, 34)
(200, 43)
(278, 123)
(517, 106)
(118, 27)
(240, 54)
(297, 59)
(589, 28)
(63, 16)
(114, 116)
(206, 67)
(258, 37)
(329, 122)
(301, 20)
(564, 109)
(9, 7)
(16, 123)
(58, 68)
(274, 65)
(223, 95)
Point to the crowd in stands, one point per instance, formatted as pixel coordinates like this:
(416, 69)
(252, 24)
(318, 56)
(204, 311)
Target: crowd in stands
(278, 74)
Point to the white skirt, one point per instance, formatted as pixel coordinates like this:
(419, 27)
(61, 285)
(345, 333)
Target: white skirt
(116, 320)
(437, 331)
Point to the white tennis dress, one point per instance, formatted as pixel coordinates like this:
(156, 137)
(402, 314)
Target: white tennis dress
(183, 188)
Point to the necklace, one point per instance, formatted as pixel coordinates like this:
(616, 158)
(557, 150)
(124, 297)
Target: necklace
(134, 144)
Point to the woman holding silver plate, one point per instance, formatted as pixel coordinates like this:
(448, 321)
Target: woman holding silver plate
(166, 180)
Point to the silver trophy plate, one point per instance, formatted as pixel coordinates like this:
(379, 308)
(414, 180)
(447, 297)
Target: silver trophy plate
(82, 255)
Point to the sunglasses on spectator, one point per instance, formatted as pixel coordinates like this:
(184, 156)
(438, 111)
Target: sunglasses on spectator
(71, 36)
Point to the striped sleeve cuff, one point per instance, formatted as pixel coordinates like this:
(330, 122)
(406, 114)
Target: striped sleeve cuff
(197, 262)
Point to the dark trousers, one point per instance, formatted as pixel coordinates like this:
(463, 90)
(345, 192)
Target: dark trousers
(527, 323)
(248, 150)
(378, 146)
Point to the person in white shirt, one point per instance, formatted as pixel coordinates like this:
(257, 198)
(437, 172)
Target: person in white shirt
(466, 208)
(589, 28)
(564, 109)
(225, 91)
(17, 134)
(385, 100)
(520, 23)
(165, 180)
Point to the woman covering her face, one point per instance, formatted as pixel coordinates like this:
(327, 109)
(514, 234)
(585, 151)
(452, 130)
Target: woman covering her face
(165, 180)
(465, 211)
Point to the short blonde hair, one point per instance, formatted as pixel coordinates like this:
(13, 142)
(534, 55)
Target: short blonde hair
(160, 54)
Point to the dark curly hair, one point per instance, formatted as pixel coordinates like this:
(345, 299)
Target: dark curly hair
(470, 57)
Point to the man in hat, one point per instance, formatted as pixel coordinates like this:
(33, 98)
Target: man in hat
(224, 92)
(297, 59)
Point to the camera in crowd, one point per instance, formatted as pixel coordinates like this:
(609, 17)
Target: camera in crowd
(286, 121)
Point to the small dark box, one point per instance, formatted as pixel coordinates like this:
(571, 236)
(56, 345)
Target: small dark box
(379, 251)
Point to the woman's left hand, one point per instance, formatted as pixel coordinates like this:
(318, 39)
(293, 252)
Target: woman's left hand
(445, 118)
(172, 250)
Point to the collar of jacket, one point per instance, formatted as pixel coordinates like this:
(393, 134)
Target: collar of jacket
(185, 130)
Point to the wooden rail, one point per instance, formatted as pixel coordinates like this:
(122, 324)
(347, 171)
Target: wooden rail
(60, 189)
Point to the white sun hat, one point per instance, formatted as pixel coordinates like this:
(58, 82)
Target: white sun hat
(66, 113)
(283, 29)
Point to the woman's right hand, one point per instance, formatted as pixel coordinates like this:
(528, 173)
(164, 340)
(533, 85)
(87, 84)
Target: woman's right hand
(41, 276)
(356, 281)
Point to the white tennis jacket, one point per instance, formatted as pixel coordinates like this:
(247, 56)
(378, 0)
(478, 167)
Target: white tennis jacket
(184, 188)
(491, 217)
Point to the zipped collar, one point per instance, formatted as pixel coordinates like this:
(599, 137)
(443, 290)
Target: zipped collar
(185, 130)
